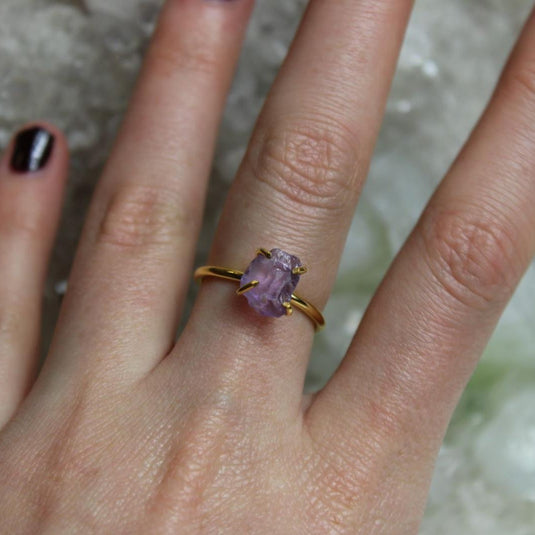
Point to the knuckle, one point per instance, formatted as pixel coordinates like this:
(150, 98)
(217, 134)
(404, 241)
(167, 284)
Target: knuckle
(55, 467)
(172, 51)
(310, 163)
(341, 482)
(10, 325)
(20, 224)
(189, 461)
(521, 80)
(166, 58)
(471, 256)
(339, 479)
(14, 485)
(143, 216)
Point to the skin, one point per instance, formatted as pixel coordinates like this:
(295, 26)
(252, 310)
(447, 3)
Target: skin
(127, 431)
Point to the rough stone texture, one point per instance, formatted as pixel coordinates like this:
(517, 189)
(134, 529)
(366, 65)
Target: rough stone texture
(74, 62)
(276, 282)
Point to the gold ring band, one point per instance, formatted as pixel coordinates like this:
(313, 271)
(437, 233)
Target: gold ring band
(234, 275)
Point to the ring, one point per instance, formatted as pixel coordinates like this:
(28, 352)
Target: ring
(268, 284)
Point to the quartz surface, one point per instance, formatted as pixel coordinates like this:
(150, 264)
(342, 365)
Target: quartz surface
(272, 272)
(74, 62)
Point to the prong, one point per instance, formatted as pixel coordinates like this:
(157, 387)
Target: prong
(289, 309)
(301, 270)
(263, 252)
(249, 286)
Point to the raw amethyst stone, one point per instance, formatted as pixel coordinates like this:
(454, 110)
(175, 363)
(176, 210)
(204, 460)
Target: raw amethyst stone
(276, 282)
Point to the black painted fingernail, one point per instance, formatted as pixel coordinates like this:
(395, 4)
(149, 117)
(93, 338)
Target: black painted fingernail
(32, 151)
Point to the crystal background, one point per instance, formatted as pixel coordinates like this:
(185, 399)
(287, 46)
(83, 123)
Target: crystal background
(74, 62)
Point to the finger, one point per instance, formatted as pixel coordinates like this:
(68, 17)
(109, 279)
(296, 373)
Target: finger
(299, 182)
(439, 303)
(32, 177)
(134, 262)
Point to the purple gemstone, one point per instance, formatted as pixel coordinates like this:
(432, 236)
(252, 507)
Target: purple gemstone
(276, 282)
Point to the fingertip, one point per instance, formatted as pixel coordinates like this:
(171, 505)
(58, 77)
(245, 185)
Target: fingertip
(37, 149)
(33, 171)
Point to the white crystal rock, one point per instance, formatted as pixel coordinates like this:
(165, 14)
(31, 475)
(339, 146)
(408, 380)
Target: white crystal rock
(505, 448)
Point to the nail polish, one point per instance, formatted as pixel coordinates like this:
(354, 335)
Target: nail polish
(32, 150)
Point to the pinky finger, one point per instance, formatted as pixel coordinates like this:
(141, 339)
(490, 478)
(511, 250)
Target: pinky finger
(32, 177)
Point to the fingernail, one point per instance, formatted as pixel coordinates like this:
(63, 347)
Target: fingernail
(32, 151)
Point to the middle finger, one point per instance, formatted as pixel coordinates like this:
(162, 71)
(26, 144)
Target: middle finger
(300, 180)
(132, 268)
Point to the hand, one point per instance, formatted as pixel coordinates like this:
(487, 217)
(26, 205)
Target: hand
(126, 430)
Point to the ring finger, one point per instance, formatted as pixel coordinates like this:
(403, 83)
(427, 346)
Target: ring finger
(300, 179)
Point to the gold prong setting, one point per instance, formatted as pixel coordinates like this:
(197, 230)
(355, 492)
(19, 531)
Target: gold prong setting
(247, 287)
(300, 270)
(269, 282)
(263, 252)
(271, 300)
